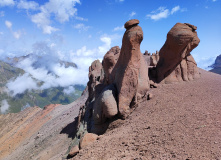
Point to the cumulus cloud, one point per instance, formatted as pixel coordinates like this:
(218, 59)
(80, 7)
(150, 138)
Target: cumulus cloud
(81, 27)
(69, 90)
(83, 57)
(163, 12)
(23, 4)
(43, 67)
(4, 106)
(21, 84)
(7, 3)
(62, 10)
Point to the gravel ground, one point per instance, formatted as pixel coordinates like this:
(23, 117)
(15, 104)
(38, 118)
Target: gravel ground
(182, 121)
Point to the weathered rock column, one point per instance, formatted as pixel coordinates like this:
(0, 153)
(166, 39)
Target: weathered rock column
(176, 63)
(130, 71)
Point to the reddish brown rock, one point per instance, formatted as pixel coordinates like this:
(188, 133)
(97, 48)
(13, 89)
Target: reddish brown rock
(74, 151)
(130, 77)
(96, 76)
(175, 63)
(109, 61)
(87, 139)
(154, 58)
(131, 23)
(105, 105)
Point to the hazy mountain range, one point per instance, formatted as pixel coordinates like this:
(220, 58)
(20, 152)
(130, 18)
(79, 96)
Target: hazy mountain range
(216, 67)
(20, 89)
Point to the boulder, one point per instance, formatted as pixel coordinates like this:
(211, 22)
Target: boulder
(105, 105)
(74, 151)
(130, 72)
(87, 139)
(175, 62)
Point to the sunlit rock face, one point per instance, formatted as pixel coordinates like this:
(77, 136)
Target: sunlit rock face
(176, 63)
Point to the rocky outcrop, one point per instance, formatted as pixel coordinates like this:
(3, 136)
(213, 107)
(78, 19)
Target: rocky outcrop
(131, 73)
(109, 61)
(217, 65)
(176, 63)
(116, 86)
(37, 133)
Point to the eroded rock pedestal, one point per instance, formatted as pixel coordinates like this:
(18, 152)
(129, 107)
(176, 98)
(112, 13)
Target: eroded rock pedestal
(118, 84)
(131, 73)
(176, 63)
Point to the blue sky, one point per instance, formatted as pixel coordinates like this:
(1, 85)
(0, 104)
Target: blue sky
(84, 30)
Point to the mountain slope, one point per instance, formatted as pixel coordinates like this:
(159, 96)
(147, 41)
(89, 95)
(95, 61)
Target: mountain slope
(182, 121)
(41, 98)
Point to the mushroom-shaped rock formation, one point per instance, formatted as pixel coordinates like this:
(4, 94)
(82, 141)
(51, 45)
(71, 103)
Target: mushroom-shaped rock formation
(176, 63)
(130, 72)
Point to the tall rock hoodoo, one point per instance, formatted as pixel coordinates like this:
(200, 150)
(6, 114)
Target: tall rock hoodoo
(176, 63)
(131, 73)
(118, 85)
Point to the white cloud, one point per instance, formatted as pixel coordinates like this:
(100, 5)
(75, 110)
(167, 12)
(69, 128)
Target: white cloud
(119, 28)
(16, 34)
(62, 10)
(81, 27)
(69, 90)
(163, 12)
(83, 57)
(21, 84)
(8, 24)
(107, 45)
(23, 4)
(4, 106)
(43, 66)
(204, 62)
(132, 14)
(214, 0)
(175, 9)
(6, 3)
(2, 13)
(81, 18)
(42, 20)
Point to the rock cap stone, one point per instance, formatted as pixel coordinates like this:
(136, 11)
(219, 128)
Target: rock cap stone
(131, 22)
(191, 26)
